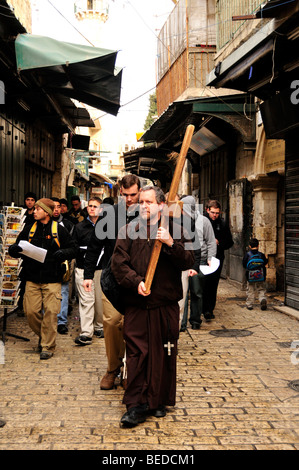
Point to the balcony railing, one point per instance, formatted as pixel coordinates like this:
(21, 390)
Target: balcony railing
(225, 10)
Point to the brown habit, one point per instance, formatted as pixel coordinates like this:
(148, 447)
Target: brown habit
(150, 322)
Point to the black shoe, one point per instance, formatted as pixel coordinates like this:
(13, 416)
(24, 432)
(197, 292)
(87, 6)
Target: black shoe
(249, 307)
(159, 412)
(45, 355)
(99, 333)
(182, 329)
(83, 340)
(62, 329)
(209, 316)
(264, 304)
(2, 423)
(133, 417)
(195, 326)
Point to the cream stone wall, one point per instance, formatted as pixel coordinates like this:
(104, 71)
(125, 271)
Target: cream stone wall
(22, 11)
(62, 170)
(265, 221)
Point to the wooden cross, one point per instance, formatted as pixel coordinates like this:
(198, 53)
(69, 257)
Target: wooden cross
(171, 202)
(169, 346)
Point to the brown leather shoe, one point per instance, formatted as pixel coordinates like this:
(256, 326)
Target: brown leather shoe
(107, 382)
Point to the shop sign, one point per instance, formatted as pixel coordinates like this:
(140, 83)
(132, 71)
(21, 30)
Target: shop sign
(81, 163)
(274, 154)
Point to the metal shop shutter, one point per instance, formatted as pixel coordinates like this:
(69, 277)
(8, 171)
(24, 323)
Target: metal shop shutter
(292, 223)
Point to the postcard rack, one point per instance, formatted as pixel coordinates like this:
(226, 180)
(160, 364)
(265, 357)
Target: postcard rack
(11, 224)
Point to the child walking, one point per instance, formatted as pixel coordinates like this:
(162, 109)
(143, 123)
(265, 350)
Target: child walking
(255, 264)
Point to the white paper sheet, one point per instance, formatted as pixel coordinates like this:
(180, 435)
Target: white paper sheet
(205, 269)
(32, 251)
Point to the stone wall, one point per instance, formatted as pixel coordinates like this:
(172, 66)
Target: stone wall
(62, 170)
(22, 11)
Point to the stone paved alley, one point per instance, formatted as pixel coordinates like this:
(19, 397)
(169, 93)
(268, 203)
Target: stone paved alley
(238, 392)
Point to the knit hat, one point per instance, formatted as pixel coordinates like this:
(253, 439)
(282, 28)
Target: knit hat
(30, 194)
(189, 205)
(46, 204)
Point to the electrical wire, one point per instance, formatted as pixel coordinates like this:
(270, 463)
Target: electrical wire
(78, 31)
(164, 45)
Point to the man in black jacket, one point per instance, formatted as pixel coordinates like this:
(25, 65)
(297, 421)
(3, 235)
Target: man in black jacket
(224, 241)
(103, 241)
(29, 200)
(90, 303)
(62, 316)
(43, 280)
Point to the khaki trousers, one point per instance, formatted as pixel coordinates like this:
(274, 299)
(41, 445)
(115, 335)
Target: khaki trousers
(90, 304)
(254, 288)
(42, 305)
(113, 335)
(185, 285)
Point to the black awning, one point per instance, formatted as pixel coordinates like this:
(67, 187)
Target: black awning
(150, 163)
(280, 114)
(274, 8)
(86, 74)
(169, 130)
(266, 63)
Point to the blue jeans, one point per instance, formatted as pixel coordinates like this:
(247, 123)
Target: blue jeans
(62, 316)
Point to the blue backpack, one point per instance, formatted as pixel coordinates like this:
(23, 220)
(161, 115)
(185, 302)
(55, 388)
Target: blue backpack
(255, 268)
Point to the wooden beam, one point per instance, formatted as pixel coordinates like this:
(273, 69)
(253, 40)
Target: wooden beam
(171, 198)
(244, 17)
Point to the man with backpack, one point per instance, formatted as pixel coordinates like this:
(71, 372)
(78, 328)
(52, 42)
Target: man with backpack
(255, 264)
(42, 297)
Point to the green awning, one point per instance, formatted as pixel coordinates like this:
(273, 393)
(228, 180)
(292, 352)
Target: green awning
(87, 74)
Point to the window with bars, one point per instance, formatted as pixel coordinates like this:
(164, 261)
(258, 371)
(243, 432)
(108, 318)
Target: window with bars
(225, 10)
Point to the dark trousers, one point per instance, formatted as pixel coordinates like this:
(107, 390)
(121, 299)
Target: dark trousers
(196, 290)
(211, 287)
(151, 370)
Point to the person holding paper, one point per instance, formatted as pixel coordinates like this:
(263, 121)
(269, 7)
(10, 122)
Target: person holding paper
(224, 241)
(205, 235)
(62, 327)
(42, 297)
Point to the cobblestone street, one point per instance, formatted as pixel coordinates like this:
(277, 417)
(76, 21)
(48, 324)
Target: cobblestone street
(233, 392)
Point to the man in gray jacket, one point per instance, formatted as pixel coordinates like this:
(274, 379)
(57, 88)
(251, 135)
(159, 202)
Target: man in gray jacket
(205, 234)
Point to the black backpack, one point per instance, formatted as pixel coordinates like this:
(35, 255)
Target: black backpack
(111, 289)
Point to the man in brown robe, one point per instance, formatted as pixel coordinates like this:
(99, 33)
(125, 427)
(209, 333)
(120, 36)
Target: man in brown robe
(151, 321)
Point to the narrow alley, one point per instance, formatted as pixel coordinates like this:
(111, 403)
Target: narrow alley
(237, 388)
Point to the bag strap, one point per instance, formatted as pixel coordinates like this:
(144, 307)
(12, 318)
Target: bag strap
(55, 232)
(54, 229)
(32, 231)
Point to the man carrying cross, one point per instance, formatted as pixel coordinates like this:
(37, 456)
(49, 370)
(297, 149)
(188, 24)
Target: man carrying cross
(151, 320)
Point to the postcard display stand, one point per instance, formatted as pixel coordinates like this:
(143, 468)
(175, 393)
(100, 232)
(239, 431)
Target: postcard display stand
(11, 224)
